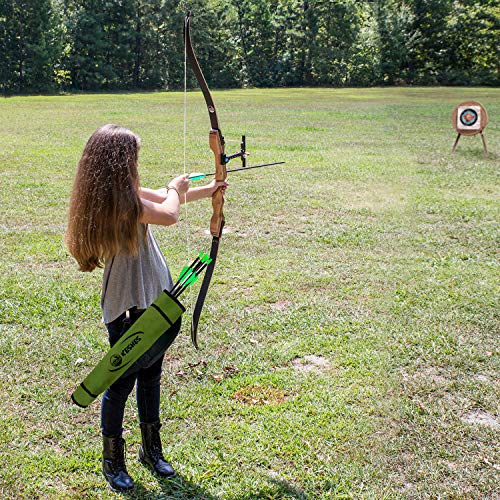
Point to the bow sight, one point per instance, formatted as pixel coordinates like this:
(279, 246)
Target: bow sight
(241, 154)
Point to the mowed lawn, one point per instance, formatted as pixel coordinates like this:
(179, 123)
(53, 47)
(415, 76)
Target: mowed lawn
(349, 342)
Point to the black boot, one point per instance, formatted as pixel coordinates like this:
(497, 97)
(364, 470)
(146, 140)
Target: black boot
(150, 452)
(113, 464)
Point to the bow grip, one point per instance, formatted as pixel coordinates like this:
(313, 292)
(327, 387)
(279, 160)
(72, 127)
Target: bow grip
(217, 146)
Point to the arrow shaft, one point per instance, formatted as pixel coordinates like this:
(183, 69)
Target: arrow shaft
(202, 176)
(256, 166)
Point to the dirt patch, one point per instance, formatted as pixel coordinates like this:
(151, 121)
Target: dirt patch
(311, 363)
(281, 305)
(172, 363)
(482, 418)
(429, 374)
(257, 395)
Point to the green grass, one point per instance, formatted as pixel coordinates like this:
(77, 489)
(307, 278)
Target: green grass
(349, 339)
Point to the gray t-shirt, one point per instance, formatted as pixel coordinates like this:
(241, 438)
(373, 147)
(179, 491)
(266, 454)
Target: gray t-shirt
(130, 281)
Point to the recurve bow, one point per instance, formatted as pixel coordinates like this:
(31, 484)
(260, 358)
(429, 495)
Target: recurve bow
(216, 142)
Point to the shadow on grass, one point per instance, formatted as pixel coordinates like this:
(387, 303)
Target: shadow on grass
(278, 489)
(183, 489)
(178, 488)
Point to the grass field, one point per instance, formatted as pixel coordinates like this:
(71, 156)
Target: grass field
(350, 336)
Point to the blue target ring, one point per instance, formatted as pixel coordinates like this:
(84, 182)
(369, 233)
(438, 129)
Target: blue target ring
(468, 117)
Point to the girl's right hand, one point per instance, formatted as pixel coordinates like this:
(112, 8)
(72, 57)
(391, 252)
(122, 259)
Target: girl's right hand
(180, 183)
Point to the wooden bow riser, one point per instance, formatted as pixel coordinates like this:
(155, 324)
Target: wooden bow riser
(217, 147)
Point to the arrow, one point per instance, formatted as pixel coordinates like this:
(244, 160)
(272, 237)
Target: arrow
(199, 176)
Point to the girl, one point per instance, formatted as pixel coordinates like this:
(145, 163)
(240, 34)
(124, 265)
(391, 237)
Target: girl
(108, 227)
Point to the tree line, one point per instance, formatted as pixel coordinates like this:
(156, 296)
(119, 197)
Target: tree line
(89, 45)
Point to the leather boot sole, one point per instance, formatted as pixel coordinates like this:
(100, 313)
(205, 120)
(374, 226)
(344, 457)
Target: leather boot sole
(151, 467)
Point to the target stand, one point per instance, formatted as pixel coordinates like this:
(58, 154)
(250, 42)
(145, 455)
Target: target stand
(470, 118)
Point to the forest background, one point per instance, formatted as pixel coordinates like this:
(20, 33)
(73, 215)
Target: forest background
(93, 45)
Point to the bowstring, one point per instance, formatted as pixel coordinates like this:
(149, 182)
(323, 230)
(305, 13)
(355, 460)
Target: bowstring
(189, 298)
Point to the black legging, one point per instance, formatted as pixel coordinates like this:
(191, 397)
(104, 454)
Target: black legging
(146, 371)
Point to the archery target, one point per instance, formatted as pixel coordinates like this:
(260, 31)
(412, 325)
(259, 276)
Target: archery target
(469, 117)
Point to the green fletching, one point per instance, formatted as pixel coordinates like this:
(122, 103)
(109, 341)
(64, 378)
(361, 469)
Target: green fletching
(206, 259)
(188, 275)
(198, 177)
(184, 272)
(192, 279)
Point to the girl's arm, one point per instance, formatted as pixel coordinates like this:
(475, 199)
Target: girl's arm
(156, 195)
(161, 206)
(165, 213)
(193, 194)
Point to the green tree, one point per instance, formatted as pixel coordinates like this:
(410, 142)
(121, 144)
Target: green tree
(214, 34)
(339, 29)
(318, 40)
(86, 59)
(8, 47)
(428, 52)
(149, 44)
(253, 31)
(29, 45)
(364, 66)
(397, 40)
(473, 49)
(102, 43)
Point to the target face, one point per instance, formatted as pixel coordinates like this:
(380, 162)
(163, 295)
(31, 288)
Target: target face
(469, 117)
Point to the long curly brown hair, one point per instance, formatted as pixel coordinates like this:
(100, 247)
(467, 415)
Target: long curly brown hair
(105, 208)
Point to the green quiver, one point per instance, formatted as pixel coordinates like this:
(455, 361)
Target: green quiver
(148, 328)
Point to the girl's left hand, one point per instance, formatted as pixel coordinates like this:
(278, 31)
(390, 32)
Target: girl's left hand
(214, 185)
